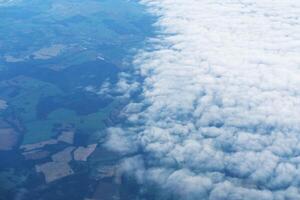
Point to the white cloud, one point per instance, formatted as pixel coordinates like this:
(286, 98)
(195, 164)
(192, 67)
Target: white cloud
(3, 104)
(221, 100)
(117, 142)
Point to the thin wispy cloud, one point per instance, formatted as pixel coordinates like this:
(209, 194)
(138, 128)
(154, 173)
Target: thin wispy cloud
(220, 111)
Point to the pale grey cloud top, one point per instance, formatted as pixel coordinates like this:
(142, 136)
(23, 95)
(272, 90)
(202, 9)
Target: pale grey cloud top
(220, 114)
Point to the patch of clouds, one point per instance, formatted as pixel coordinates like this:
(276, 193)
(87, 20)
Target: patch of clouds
(3, 104)
(49, 52)
(105, 89)
(123, 88)
(219, 114)
(116, 141)
(13, 59)
(126, 86)
(44, 53)
(6, 3)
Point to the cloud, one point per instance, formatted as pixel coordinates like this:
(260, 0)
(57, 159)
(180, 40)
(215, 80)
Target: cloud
(219, 114)
(3, 104)
(117, 142)
(6, 3)
(124, 88)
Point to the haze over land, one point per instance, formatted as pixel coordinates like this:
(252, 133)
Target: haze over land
(58, 58)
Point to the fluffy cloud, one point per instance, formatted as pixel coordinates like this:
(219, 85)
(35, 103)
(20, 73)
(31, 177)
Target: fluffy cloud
(116, 141)
(220, 111)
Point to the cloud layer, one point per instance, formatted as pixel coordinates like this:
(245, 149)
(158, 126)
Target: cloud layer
(220, 111)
